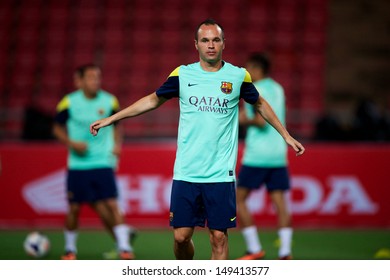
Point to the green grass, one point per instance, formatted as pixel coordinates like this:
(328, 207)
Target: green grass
(158, 244)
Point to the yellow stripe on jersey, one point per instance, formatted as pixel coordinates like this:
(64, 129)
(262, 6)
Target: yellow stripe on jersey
(247, 78)
(64, 104)
(174, 72)
(115, 104)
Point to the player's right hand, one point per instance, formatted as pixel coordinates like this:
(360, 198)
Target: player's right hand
(95, 126)
(79, 147)
(297, 146)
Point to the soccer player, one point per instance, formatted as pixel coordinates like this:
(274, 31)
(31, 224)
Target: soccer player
(262, 164)
(91, 161)
(203, 188)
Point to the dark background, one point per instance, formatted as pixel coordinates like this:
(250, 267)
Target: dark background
(332, 57)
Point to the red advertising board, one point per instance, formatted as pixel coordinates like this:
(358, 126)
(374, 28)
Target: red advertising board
(332, 186)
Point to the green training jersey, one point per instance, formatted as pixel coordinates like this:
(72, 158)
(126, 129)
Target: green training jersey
(77, 112)
(208, 125)
(264, 147)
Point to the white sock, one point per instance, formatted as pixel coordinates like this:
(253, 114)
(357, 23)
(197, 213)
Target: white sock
(252, 239)
(285, 236)
(122, 237)
(70, 240)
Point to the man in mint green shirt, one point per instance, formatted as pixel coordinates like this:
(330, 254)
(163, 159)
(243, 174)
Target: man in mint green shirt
(91, 160)
(264, 161)
(203, 189)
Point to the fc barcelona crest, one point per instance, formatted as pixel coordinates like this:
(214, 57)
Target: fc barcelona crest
(226, 87)
(101, 112)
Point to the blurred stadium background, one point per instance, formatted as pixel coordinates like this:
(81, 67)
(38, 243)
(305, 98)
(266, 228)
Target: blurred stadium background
(332, 57)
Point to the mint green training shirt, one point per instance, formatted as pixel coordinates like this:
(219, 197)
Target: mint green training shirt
(208, 125)
(77, 112)
(264, 147)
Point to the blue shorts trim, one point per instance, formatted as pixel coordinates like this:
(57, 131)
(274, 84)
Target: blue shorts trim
(198, 204)
(273, 178)
(88, 186)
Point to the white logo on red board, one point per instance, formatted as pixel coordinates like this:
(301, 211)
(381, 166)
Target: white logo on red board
(150, 194)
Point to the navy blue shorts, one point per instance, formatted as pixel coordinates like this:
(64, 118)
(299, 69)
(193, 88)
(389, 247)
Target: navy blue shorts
(194, 204)
(91, 185)
(254, 177)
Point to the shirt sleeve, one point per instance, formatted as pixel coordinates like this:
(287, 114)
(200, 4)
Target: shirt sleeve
(171, 87)
(115, 105)
(248, 91)
(62, 114)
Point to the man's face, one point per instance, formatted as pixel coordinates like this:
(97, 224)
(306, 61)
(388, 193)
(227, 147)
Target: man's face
(91, 81)
(210, 43)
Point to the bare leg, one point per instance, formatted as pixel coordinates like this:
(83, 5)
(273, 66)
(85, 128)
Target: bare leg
(70, 233)
(113, 207)
(72, 217)
(244, 216)
(284, 222)
(183, 245)
(105, 215)
(113, 220)
(219, 244)
(247, 226)
(278, 199)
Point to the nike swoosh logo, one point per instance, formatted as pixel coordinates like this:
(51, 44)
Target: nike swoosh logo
(191, 85)
(232, 219)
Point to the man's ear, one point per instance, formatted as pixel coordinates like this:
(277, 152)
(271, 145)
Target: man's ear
(196, 44)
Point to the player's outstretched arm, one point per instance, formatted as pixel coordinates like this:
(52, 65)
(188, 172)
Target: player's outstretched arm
(143, 105)
(265, 110)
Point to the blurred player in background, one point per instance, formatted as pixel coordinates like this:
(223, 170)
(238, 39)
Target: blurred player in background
(264, 161)
(203, 188)
(91, 161)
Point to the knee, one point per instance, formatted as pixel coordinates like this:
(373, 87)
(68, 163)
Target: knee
(182, 238)
(74, 209)
(218, 238)
(111, 204)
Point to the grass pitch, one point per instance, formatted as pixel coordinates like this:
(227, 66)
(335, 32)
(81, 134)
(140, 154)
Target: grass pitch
(158, 244)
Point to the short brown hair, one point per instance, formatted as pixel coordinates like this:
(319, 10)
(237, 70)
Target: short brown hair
(80, 71)
(260, 60)
(209, 21)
